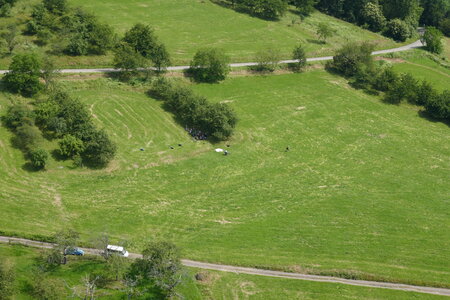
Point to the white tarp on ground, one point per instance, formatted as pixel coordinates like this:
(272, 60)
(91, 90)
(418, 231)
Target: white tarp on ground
(218, 150)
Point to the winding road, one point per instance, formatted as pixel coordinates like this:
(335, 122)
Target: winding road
(260, 272)
(416, 44)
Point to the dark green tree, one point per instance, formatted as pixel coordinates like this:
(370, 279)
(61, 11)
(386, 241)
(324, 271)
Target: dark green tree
(372, 15)
(100, 150)
(299, 55)
(160, 58)
(17, 115)
(350, 58)
(398, 30)
(24, 74)
(142, 39)
(39, 158)
(128, 60)
(70, 146)
(433, 40)
(305, 7)
(445, 26)
(209, 65)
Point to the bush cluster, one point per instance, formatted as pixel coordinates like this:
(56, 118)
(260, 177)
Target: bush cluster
(209, 65)
(355, 62)
(59, 116)
(67, 118)
(140, 48)
(71, 30)
(216, 120)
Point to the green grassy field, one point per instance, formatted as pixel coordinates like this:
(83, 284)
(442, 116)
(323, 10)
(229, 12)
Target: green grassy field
(187, 25)
(240, 35)
(362, 193)
(215, 285)
(220, 285)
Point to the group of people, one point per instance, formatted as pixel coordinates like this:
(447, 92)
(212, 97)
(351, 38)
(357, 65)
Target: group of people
(196, 134)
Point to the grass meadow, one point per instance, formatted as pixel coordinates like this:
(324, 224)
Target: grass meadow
(362, 193)
(186, 26)
(215, 285)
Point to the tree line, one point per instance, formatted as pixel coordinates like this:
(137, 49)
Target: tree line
(355, 62)
(397, 19)
(56, 116)
(216, 120)
(156, 275)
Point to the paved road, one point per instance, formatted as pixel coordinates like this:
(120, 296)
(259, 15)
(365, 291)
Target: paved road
(260, 272)
(414, 45)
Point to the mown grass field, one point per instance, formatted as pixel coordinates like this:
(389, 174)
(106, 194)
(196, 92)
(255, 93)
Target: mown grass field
(215, 285)
(186, 26)
(363, 192)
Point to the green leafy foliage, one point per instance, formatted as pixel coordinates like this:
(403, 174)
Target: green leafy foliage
(215, 120)
(267, 60)
(23, 77)
(351, 58)
(372, 15)
(299, 54)
(39, 158)
(433, 40)
(267, 9)
(398, 30)
(70, 146)
(209, 65)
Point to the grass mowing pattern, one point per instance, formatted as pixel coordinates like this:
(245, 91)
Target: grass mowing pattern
(188, 25)
(362, 193)
(220, 285)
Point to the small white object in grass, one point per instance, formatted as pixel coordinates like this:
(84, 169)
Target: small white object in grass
(218, 150)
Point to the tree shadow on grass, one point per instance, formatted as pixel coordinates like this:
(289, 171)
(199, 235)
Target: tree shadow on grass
(317, 42)
(423, 114)
(243, 11)
(56, 154)
(30, 168)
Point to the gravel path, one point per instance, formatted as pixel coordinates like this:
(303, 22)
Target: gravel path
(260, 272)
(416, 44)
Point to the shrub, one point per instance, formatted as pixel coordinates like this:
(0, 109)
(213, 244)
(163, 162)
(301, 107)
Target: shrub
(350, 58)
(324, 31)
(267, 60)
(28, 136)
(300, 55)
(142, 39)
(23, 76)
(215, 120)
(100, 150)
(439, 106)
(209, 65)
(39, 158)
(398, 30)
(70, 146)
(386, 79)
(372, 14)
(17, 115)
(56, 6)
(433, 40)
(128, 61)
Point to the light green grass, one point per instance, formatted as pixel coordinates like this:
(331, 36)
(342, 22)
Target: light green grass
(221, 285)
(188, 25)
(363, 191)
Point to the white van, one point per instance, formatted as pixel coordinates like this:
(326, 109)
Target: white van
(112, 249)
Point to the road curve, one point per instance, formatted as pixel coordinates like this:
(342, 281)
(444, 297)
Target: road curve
(260, 272)
(416, 44)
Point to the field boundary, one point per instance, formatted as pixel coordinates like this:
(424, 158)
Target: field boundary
(260, 272)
